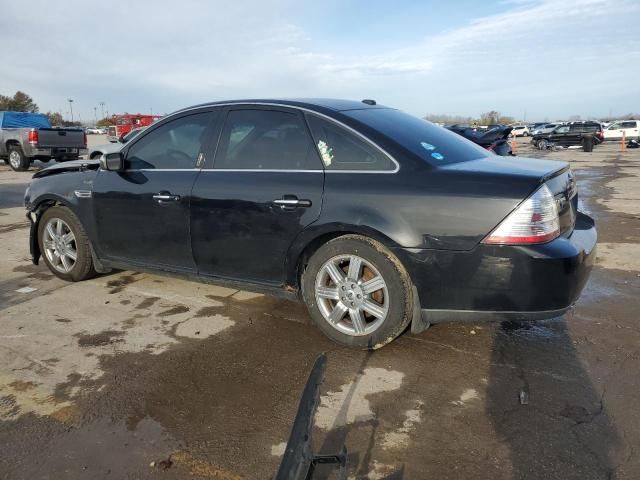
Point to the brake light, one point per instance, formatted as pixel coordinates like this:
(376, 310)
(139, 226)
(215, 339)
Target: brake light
(85, 138)
(33, 137)
(535, 220)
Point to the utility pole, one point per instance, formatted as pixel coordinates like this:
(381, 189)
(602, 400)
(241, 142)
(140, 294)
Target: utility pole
(95, 113)
(70, 100)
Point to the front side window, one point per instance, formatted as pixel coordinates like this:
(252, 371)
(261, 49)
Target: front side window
(342, 150)
(173, 145)
(628, 124)
(265, 140)
(615, 126)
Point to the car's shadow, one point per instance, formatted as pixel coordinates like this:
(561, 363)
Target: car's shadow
(545, 408)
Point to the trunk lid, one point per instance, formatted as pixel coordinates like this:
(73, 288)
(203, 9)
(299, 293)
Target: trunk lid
(534, 172)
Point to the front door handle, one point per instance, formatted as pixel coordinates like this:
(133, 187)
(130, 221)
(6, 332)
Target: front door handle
(164, 197)
(292, 202)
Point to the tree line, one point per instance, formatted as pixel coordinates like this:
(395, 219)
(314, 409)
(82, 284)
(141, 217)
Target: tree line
(22, 102)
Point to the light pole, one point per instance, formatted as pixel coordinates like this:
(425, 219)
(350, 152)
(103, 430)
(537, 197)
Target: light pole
(70, 100)
(95, 113)
(102, 109)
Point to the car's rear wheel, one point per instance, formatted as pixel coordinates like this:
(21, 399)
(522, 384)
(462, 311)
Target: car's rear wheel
(543, 144)
(17, 161)
(357, 292)
(64, 245)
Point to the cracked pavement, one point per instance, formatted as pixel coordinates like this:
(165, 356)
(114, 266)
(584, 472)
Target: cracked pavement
(101, 378)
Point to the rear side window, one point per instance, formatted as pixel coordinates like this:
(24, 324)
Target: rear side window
(628, 125)
(340, 149)
(432, 143)
(265, 140)
(562, 129)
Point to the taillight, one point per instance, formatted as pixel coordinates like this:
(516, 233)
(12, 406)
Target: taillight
(535, 220)
(85, 138)
(33, 137)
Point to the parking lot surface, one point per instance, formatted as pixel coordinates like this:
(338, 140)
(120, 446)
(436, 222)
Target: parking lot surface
(129, 373)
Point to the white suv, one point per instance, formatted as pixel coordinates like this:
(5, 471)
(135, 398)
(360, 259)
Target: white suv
(520, 131)
(630, 128)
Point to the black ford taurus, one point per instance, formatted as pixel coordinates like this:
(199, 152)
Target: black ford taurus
(377, 220)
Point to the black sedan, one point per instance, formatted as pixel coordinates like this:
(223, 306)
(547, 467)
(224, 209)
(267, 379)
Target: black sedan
(377, 220)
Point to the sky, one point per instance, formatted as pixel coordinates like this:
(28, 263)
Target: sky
(533, 60)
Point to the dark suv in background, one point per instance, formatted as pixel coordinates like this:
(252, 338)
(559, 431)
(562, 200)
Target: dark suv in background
(585, 134)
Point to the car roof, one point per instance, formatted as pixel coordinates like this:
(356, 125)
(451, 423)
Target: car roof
(318, 104)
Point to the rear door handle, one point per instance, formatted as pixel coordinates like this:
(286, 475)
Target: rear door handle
(292, 202)
(164, 197)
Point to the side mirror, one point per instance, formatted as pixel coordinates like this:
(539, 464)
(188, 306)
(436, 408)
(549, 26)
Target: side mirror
(114, 162)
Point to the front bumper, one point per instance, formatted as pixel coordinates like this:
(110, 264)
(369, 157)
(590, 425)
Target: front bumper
(499, 282)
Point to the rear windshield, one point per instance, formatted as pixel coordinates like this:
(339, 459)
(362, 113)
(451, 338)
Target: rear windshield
(432, 143)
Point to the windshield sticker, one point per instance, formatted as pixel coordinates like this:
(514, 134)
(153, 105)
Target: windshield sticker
(437, 156)
(427, 146)
(326, 152)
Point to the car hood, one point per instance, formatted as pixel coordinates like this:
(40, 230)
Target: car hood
(73, 166)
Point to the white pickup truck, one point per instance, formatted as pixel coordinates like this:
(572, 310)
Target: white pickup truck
(25, 137)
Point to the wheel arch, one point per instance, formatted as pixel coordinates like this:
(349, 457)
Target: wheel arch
(310, 240)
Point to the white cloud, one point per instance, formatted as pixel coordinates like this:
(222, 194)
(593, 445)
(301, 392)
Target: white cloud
(550, 58)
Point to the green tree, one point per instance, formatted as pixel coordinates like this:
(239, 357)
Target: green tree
(55, 119)
(20, 102)
(104, 122)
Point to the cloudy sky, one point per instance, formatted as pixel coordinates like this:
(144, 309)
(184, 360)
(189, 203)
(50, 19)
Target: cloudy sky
(550, 59)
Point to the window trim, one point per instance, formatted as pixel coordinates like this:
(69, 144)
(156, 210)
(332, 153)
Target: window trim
(301, 109)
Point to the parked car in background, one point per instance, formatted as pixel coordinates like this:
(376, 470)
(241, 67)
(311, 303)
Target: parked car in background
(585, 134)
(93, 131)
(629, 128)
(376, 219)
(99, 150)
(520, 131)
(495, 138)
(25, 137)
(123, 124)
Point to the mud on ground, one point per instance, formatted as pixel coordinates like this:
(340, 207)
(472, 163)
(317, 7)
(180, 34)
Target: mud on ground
(132, 375)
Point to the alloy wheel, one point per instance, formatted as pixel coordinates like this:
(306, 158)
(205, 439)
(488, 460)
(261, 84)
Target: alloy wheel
(59, 244)
(352, 295)
(14, 159)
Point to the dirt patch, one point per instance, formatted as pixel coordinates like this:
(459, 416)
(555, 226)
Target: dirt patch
(147, 302)
(118, 284)
(178, 309)
(100, 339)
(20, 386)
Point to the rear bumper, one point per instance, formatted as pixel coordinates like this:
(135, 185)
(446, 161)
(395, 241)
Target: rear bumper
(493, 282)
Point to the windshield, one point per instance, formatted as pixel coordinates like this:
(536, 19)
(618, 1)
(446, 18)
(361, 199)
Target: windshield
(432, 143)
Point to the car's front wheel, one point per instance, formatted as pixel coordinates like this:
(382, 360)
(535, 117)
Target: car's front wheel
(64, 245)
(357, 292)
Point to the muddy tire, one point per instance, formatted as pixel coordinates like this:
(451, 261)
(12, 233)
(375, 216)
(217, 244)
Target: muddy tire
(357, 292)
(64, 245)
(17, 161)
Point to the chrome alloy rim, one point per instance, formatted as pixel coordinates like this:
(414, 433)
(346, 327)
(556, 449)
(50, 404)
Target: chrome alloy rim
(60, 245)
(14, 159)
(352, 295)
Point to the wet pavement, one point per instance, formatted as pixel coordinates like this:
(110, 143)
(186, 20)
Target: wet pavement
(133, 375)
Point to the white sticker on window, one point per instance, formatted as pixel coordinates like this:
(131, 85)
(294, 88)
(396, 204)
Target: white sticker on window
(326, 152)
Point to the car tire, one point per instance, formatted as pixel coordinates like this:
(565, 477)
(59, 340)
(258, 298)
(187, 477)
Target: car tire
(543, 144)
(56, 245)
(17, 161)
(377, 304)
(525, 134)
